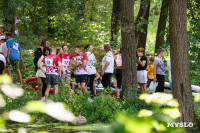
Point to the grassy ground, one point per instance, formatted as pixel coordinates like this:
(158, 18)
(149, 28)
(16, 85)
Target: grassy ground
(55, 127)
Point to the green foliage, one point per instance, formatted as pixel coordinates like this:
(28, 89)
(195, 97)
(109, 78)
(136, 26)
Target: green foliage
(194, 30)
(101, 109)
(149, 121)
(59, 20)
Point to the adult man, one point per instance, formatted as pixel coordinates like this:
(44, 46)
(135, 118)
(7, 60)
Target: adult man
(80, 61)
(13, 56)
(66, 64)
(53, 70)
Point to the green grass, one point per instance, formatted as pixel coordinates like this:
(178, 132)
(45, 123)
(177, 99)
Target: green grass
(58, 127)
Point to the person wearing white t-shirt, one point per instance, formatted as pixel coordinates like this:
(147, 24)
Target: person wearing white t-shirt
(2, 64)
(107, 66)
(91, 70)
(3, 47)
(40, 74)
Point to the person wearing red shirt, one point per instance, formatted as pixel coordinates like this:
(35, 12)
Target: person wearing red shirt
(66, 60)
(53, 70)
(79, 62)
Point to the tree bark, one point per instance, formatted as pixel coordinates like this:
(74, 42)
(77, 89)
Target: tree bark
(115, 22)
(129, 80)
(142, 36)
(180, 59)
(161, 25)
(140, 17)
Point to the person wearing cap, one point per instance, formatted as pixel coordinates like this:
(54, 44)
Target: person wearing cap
(13, 56)
(3, 47)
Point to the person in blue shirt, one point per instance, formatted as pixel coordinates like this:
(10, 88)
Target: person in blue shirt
(13, 55)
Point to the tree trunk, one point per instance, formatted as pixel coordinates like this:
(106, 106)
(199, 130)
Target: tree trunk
(50, 30)
(144, 5)
(142, 36)
(180, 59)
(115, 20)
(161, 25)
(129, 80)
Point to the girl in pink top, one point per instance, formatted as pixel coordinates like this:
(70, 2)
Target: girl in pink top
(118, 60)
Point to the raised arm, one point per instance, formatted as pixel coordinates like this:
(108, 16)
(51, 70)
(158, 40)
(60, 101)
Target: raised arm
(142, 63)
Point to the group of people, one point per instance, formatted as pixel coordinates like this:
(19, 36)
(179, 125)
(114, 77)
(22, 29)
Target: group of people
(156, 70)
(53, 67)
(9, 56)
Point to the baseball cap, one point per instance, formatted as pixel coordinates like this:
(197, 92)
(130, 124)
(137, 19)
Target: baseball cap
(2, 37)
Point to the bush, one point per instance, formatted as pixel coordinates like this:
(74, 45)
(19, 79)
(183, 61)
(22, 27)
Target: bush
(101, 109)
(197, 112)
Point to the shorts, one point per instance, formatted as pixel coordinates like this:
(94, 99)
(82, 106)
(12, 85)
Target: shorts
(142, 76)
(81, 78)
(14, 63)
(67, 78)
(52, 79)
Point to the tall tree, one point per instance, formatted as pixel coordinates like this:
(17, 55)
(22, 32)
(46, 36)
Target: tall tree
(50, 6)
(115, 20)
(8, 9)
(129, 80)
(142, 35)
(162, 25)
(142, 16)
(180, 59)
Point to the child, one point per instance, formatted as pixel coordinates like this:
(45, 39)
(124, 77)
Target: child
(118, 60)
(150, 71)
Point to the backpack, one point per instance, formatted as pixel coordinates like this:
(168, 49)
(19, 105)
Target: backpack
(37, 54)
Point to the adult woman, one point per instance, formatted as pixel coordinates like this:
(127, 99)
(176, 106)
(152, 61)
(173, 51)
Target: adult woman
(107, 66)
(118, 60)
(91, 70)
(159, 70)
(40, 74)
(141, 70)
(38, 53)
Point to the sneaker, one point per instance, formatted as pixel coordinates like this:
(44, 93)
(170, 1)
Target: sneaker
(42, 99)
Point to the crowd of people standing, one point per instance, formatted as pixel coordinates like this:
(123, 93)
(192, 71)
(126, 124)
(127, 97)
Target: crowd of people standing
(53, 66)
